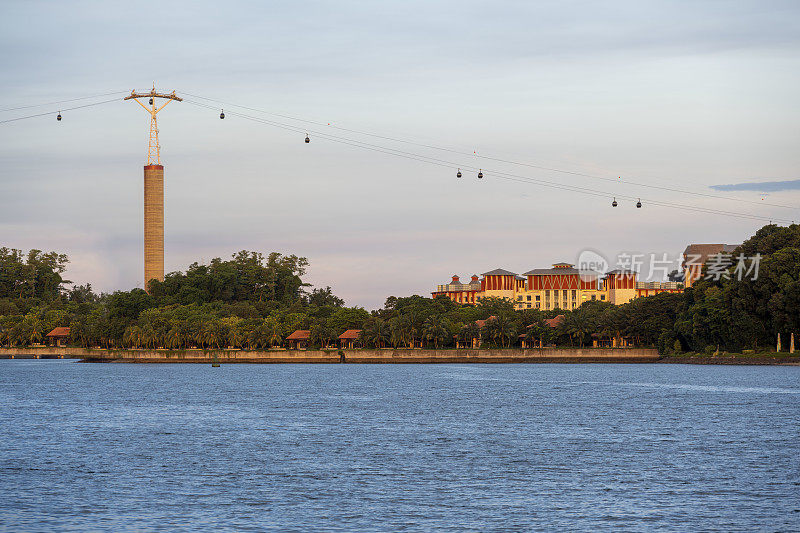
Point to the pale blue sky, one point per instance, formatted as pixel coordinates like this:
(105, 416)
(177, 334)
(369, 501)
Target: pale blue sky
(690, 94)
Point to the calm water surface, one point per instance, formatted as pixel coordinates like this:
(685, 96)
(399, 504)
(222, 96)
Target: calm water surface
(398, 447)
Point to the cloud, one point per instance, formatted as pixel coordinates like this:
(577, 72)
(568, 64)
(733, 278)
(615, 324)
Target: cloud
(762, 186)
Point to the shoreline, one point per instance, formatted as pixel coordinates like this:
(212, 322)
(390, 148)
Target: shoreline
(334, 356)
(397, 356)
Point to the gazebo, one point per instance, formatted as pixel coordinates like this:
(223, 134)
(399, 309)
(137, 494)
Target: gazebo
(58, 336)
(348, 338)
(298, 339)
(611, 341)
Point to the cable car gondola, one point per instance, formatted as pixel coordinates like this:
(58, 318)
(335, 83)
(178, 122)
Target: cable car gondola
(614, 203)
(58, 118)
(639, 203)
(222, 114)
(307, 139)
(151, 101)
(458, 174)
(480, 173)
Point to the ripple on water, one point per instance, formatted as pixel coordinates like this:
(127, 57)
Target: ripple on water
(398, 447)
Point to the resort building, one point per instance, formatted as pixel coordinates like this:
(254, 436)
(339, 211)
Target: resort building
(463, 293)
(560, 287)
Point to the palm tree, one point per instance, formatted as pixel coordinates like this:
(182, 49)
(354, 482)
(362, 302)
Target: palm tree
(578, 325)
(77, 332)
(210, 335)
(133, 336)
(35, 334)
(436, 330)
(149, 336)
(376, 332)
(261, 336)
(236, 337)
(172, 339)
(320, 334)
(529, 336)
(468, 333)
(200, 337)
(510, 333)
(417, 327)
(501, 330)
(274, 329)
(400, 331)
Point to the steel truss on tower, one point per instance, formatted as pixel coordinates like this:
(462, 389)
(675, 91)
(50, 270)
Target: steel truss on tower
(153, 148)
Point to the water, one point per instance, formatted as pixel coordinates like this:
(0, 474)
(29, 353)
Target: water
(398, 447)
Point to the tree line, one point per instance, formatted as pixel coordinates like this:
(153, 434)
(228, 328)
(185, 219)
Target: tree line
(252, 301)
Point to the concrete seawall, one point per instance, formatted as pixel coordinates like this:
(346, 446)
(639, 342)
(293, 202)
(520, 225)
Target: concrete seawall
(508, 355)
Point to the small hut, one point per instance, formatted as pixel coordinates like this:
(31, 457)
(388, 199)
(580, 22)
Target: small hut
(550, 322)
(298, 340)
(349, 339)
(477, 340)
(611, 341)
(58, 337)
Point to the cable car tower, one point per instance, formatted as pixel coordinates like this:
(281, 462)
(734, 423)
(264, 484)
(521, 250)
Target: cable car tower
(153, 190)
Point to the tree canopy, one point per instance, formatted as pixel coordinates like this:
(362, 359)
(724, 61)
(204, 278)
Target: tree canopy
(255, 301)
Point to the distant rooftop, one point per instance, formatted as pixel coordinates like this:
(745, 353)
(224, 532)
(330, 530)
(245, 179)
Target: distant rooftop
(706, 250)
(299, 335)
(560, 271)
(499, 272)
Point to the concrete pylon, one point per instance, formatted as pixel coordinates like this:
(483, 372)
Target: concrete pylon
(153, 224)
(778, 349)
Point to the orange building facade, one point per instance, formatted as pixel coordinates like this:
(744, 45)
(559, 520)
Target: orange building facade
(559, 287)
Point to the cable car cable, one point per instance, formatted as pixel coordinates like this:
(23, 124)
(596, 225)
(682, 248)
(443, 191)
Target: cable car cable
(61, 101)
(508, 161)
(499, 174)
(61, 110)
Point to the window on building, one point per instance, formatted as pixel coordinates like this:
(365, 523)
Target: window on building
(519, 297)
(574, 294)
(594, 297)
(529, 306)
(538, 298)
(564, 294)
(602, 296)
(537, 305)
(529, 298)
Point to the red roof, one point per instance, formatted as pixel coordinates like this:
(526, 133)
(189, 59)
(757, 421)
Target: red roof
(299, 335)
(481, 323)
(350, 334)
(555, 321)
(59, 332)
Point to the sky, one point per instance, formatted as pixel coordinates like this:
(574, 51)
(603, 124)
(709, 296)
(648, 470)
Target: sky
(688, 103)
